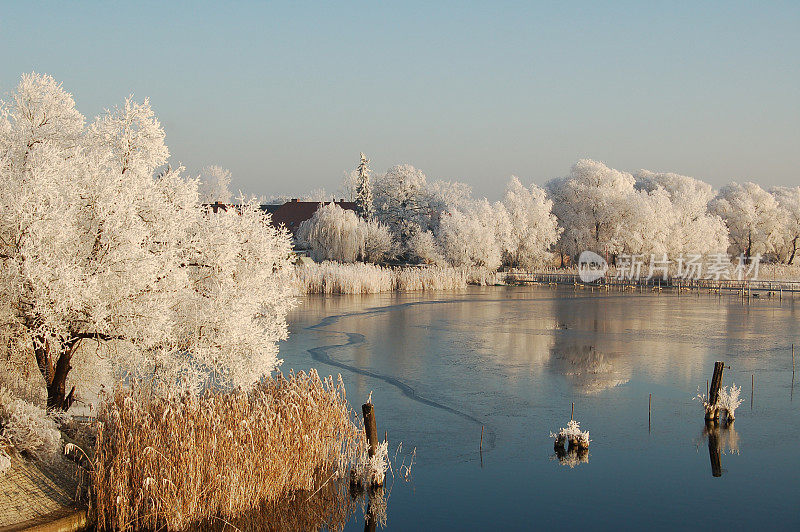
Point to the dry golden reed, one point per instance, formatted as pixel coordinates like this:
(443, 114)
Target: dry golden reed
(173, 462)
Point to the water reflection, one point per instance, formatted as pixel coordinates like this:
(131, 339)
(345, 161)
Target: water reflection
(330, 507)
(514, 359)
(375, 514)
(585, 367)
(571, 457)
(722, 439)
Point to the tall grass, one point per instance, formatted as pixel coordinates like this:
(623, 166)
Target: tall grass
(178, 461)
(361, 278)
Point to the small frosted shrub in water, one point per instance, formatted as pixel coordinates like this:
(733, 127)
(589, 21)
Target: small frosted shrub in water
(729, 400)
(371, 470)
(701, 397)
(573, 434)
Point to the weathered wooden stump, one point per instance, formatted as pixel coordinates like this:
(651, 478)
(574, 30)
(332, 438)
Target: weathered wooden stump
(712, 410)
(370, 427)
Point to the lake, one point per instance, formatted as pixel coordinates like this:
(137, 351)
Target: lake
(512, 360)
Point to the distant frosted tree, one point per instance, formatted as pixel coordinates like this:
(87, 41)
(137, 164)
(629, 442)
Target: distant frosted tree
(214, 185)
(364, 189)
(532, 229)
(788, 199)
(422, 247)
(471, 238)
(591, 205)
(691, 228)
(333, 233)
(447, 196)
(752, 215)
(96, 250)
(378, 243)
(403, 202)
(318, 195)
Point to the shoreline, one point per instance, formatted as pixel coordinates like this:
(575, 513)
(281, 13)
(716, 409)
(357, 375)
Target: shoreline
(365, 278)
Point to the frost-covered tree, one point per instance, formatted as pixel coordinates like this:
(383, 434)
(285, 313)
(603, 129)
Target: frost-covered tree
(532, 228)
(591, 205)
(378, 243)
(645, 220)
(334, 233)
(422, 247)
(233, 310)
(214, 185)
(752, 215)
(691, 228)
(364, 200)
(447, 196)
(94, 248)
(403, 201)
(609, 211)
(471, 238)
(788, 199)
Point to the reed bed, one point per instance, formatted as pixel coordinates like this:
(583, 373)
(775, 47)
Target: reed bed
(363, 278)
(173, 462)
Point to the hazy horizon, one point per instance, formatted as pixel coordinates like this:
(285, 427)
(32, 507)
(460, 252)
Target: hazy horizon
(287, 96)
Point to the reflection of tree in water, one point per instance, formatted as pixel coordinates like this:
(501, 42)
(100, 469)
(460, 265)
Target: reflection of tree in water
(584, 345)
(584, 365)
(570, 457)
(722, 439)
(329, 506)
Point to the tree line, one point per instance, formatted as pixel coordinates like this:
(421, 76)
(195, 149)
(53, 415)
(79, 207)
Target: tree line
(403, 216)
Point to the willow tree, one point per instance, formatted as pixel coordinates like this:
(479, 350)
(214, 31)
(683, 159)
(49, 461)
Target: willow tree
(96, 246)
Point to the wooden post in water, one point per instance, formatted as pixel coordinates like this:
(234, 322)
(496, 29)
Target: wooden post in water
(752, 389)
(572, 412)
(713, 392)
(649, 407)
(792, 360)
(370, 427)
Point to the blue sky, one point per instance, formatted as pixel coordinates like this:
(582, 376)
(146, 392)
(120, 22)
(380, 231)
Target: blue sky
(287, 94)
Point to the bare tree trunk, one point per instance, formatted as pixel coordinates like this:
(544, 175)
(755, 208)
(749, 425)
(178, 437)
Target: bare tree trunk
(794, 250)
(55, 375)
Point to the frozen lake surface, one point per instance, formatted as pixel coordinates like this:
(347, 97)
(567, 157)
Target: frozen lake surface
(441, 365)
